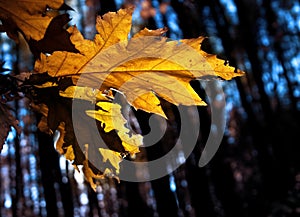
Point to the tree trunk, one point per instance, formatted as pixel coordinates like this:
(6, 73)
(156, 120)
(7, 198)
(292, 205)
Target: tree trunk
(165, 198)
(137, 207)
(93, 202)
(48, 162)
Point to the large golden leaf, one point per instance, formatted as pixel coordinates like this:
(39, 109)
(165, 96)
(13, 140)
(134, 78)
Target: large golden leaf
(145, 68)
(30, 16)
(148, 64)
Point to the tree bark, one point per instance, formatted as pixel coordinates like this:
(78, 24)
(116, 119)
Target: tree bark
(48, 162)
(137, 207)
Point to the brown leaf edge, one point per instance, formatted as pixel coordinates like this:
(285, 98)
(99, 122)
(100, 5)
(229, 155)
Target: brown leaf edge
(7, 120)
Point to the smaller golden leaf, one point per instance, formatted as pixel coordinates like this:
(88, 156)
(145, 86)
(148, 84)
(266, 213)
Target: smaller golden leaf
(112, 156)
(131, 143)
(110, 116)
(69, 155)
(84, 93)
(46, 84)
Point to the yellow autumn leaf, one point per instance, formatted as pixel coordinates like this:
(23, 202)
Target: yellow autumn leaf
(70, 153)
(111, 118)
(131, 143)
(112, 156)
(109, 115)
(85, 93)
(30, 16)
(112, 28)
(143, 68)
(220, 67)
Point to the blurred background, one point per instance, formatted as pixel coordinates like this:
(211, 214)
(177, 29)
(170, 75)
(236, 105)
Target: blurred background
(255, 172)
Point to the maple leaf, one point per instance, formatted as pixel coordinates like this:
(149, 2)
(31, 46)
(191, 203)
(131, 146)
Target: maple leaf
(147, 64)
(30, 17)
(145, 68)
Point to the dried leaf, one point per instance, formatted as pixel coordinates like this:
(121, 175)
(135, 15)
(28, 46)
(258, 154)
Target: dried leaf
(7, 120)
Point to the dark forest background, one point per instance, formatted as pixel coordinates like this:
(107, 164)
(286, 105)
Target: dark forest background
(256, 171)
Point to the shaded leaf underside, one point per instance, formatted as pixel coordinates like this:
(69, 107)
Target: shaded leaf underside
(7, 120)
(30, 16)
